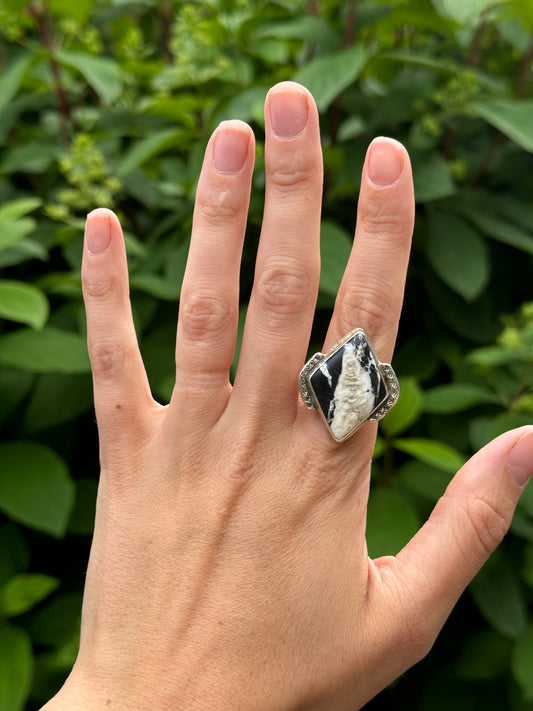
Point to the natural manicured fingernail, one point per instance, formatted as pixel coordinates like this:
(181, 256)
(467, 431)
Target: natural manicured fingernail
(288, 112)
(230, 150)
(385, 161)
(97, 231)
(520, 459)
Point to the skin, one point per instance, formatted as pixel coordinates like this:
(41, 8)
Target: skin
(229, 567)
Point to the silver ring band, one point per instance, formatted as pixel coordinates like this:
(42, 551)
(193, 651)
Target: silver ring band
(348, 385)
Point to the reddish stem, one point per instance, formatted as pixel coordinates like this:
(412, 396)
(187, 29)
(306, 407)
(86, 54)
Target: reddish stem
(45, 30)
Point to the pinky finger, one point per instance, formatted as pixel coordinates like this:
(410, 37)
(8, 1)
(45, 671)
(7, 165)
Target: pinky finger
(121, 390)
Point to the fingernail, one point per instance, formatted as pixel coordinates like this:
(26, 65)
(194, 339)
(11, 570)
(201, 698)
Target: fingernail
(520, 459)
(97, 231)
(288, 112)
(230, 150)
(385, 161)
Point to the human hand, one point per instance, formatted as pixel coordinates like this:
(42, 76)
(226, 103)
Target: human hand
(229, 567)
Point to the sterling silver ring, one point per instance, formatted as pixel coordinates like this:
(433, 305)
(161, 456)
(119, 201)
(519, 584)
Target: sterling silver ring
(348, 385)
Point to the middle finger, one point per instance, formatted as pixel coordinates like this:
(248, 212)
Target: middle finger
(282, 303)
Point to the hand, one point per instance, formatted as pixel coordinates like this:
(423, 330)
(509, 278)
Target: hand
(229, 567)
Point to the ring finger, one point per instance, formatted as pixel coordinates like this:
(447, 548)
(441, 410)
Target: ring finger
(371, 293)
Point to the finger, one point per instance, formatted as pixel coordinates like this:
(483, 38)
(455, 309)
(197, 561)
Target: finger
(209, 302)
(121, 390)
(282, 303)
(371, 292)
(467, 524)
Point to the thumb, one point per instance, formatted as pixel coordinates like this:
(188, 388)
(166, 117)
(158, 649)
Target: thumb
(467, 524)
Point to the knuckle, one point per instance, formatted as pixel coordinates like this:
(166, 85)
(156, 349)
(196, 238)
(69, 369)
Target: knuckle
(488, 523)
(108, 359)
(376, 218)
(286, 173)
(219, 207)
(204, 315)
(368, 305)
(97, 286)
(283, 292)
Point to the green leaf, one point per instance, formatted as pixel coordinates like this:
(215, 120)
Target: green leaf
(304, 27)
(101, 73)
(522, 527)
(500, 229)
(351, 128)
(16, 668)
(23, 303)
(146, 148)
(493, 355)
(13, 232)
(16, 4)
(57, 621)
(79, 10)
(465, 13)
(327, 77)
(335, 248)
(474, 322)
(24, 251)
(156, 286)
(23, 592)
(485, 656)
(35, 487)
(456, 397)
(15, 209)
(406, 411)
(458, 254)
(14, 387)
(513, 118)
(240, 332)
(245, 105)
(522, 664)
(58, 398)
(430, 451)
(497, 593)
(30, 157)
(50, 350)
(423, 480)
(11, 78)
(431, 177)
(379, 448)
(391, 522)
(83, 514)
(14, 552)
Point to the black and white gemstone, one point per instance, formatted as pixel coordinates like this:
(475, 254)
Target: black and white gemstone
(348, 385)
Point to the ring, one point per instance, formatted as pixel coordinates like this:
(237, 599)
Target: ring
(348, 385)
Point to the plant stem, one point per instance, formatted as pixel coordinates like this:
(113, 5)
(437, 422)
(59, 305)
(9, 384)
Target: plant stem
(45, 30)
(499, 138)
(525, 71)
(472, 60)
(348, 39)
(166, 28)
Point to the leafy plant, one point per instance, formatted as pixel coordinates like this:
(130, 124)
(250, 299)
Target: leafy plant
(111, 102)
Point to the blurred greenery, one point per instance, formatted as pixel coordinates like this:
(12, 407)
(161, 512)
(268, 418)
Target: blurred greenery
(110, 103)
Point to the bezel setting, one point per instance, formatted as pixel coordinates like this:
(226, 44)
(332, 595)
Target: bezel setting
(348, 385)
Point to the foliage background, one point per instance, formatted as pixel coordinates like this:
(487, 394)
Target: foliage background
(111, 102)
